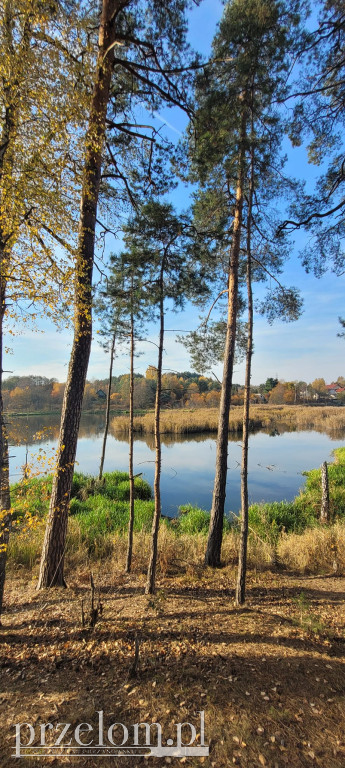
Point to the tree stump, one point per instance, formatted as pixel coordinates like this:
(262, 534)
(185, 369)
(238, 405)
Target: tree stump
(324, 513)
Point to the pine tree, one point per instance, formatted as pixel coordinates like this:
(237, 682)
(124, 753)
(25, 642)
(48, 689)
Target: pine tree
(162, 238)
(138, 64)
(247, 73)
(319, 118)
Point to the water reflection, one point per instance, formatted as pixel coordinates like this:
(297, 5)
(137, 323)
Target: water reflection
(276, 458)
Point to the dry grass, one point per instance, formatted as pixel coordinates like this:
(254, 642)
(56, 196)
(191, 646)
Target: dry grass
(317, 550)
(326, 418)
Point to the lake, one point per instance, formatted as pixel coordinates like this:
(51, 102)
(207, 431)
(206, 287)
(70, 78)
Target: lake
(276, 460)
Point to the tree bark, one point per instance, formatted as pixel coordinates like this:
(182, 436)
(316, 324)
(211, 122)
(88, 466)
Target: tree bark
(324, 514)
(5, 501)
(107, 410)
(131, 440)
(9, 128)
(242, 555)
(151, 572)
(214, 543)
(52, 561)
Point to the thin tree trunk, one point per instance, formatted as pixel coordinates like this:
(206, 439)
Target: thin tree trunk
(151, 572)
(131, 435)
(242, 555)
(5, 502)
(107, 410)
(52, 561)
(324, 514)
(214, 543)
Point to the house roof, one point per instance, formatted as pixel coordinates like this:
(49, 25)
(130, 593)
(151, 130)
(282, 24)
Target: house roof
(335, 387)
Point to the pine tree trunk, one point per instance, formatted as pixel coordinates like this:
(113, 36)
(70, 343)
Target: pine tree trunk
(107, 410)
(5, 502)
(151, 572)
(52, 561)
(242, 555)
(214, 543)
(131, 436)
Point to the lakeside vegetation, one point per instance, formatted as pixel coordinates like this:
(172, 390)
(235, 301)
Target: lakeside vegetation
(184, 421)
(284, 532)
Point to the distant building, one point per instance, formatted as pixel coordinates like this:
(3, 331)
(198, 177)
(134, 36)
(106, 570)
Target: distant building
(334, 389)
(101, 394)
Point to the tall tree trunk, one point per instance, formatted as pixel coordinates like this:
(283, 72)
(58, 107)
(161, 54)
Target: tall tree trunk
(5, 502)
(107, 410)
(131, 435)
(8, 132)
(52, 561)
(242, 555)
(214, 543)
(151, 571)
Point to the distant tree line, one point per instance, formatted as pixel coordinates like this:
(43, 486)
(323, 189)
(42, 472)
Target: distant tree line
(26, 394)
(32, 394)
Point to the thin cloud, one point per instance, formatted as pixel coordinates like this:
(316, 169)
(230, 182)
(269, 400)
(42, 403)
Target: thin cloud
(165, 122)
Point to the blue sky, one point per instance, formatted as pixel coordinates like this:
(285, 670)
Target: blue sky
(303, 350)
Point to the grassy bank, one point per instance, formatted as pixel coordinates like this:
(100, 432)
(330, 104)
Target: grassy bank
(184, 421)
(284, 532)
(315, 551)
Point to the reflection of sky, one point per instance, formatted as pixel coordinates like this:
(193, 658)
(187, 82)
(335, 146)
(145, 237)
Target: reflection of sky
(275, 465)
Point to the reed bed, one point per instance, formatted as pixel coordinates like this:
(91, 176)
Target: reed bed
(185, 421)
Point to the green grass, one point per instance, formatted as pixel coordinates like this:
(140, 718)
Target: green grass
(192, 520)
(99, 517)
(30, 498)
(270, 520)
(99, 507)
(310, 496)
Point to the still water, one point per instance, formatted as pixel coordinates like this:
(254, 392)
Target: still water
(276, 461)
